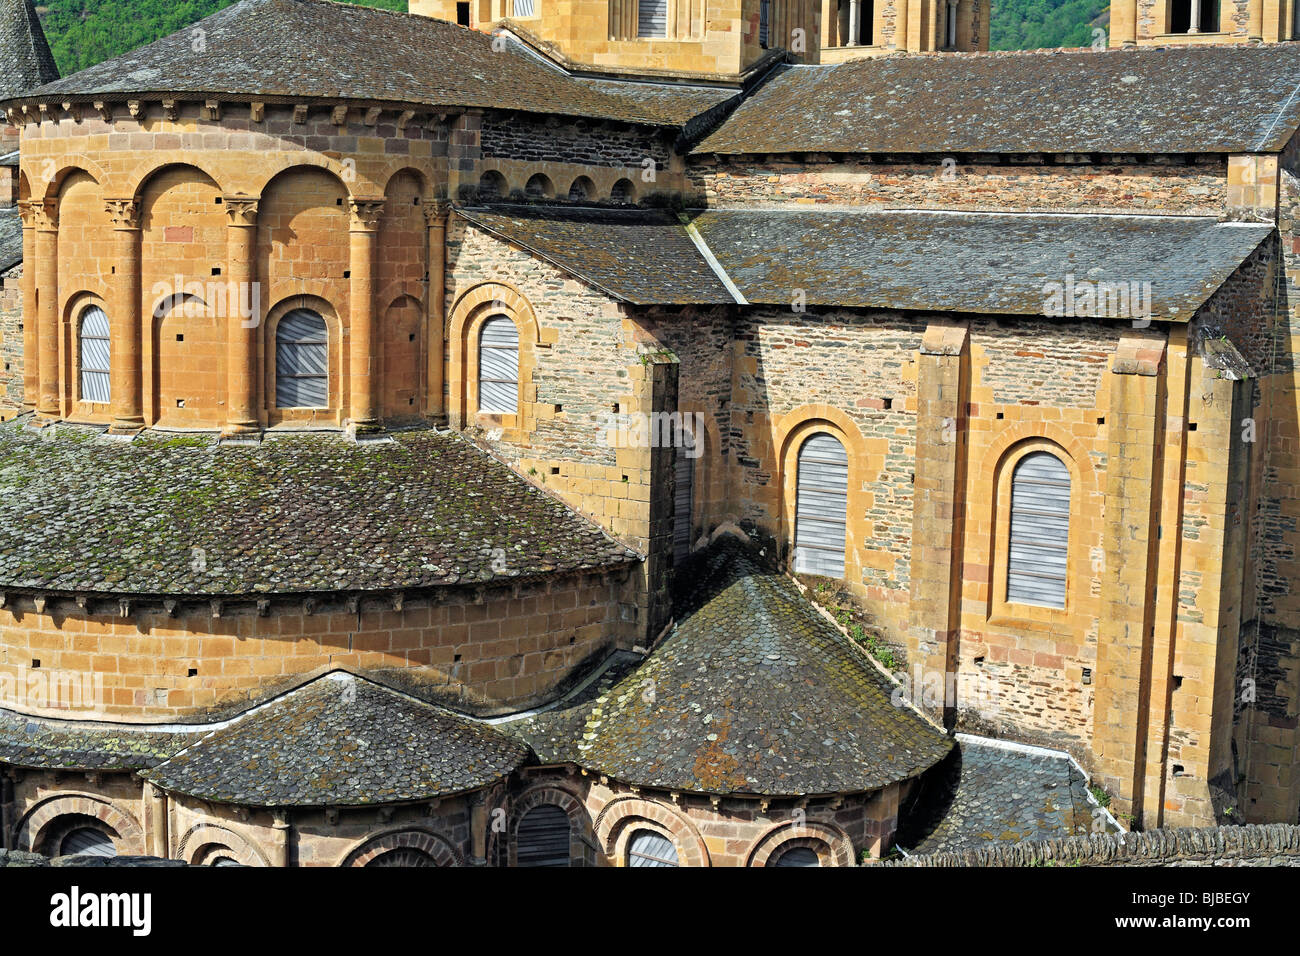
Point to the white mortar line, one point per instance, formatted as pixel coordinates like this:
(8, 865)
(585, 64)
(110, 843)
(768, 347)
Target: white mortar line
(714, 264)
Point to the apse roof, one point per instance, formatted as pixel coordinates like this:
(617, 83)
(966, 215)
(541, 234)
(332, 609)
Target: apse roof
(321, 49)
(184, 514)
(340, 740)
(753, 692)
(1191, 99)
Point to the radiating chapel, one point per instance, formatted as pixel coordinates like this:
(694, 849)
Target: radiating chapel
(641, 432)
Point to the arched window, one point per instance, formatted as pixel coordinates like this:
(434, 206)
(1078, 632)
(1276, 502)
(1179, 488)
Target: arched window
(543, 837)
(623, 191)
(647, 848)
(582, 188)
(94, 350)
(491, 185)
(539, 187)
(822, 507)
(1037, 563)
(797, 856)
(302, 348)
(498, 366)
(87, 841)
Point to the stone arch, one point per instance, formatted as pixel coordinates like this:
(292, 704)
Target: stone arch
(468, 313)
(622, 816)
(36, 825)
(995, 474)
(401, 338)
(834, 847)
(582, 834)
(582, 189)
(441, 850)
(539, 186)
(493, 186)
(792, 430)
(333, 322)
(200, 840)
(399, 167)
(352, 178)
(623, 190)
(139, 179)
(49, 188)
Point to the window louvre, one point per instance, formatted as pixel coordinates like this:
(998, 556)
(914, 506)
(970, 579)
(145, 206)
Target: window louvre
(647, 848)
(95, 351)
(798, 856)
(821, 512)
(524, 8)
(498, 368)
(302, 361)
(87, 841)
(652, 18)
(543, 837)
(1037, 564)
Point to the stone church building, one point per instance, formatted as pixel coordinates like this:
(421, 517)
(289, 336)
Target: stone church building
(438, 438)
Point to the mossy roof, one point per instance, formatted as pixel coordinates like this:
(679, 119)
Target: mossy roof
(72, 745)
(188, 516)
(341, 740)
(754, 692)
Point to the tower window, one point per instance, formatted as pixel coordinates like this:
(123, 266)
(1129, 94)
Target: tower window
(462, 14)
(302, 361)
(498, 365)
(525, 8)
(1194, 16)
(1038, 560)
(95, 351)
(652, 18)
(543, 837)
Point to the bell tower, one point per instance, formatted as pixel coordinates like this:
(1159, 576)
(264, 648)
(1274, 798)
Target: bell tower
(1187, 22)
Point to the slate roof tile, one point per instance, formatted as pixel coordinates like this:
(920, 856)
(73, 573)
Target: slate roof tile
(753, 692)
(308, 513)
(25, 58)
(75, 745)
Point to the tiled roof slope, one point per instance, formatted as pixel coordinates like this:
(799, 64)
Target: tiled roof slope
(11, 239)
(315, 48)
(753, 692)
(310, 513)
(69, 745)
(25, 58)
(988, 793)
(971, 262)
(343, 741)
(642, 256)
(1209, 99)
(991, 263)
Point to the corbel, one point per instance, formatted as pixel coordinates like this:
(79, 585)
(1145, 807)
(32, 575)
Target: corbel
(300, 113)
(39, 602)
(171, 605)
(372, 116)
(405, 117)
(212, 110)
(73, 110)
(217, 607)
(123, 607)
(263, 608)
(339, 116)
(399, 599)
(256, 112)
(309, 606)
(171, 108)
(135, 108)
(105, 110)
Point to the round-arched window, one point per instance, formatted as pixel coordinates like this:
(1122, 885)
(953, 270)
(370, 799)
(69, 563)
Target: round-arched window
(543, 837)
(302, 361)
(1038, 550)
(94, 350)
(648, 848)
(797, 856)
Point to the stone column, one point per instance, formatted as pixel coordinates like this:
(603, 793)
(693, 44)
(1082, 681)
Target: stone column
(157, 843)
(243, 381)
(31, 374)
(280, 840)
(854, 13)
(436, 214)
(937, 508)
(1255, 26)
(126, 361)
(47, 318)
(1194, 22)
(362, 372)
(1135, 428)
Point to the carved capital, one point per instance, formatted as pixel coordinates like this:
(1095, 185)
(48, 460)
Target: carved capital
(46, 215)
(366, 214)
(436, 212)
(241, 210)
(28, 210)
(124, 213)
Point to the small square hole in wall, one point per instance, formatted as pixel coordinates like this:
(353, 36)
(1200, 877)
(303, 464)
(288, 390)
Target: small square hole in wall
(112, 270)
(180, 403)
(216, 270)
(180, 336)
(218, 200)
(410, 401)
(1178, 770)
(456, 659)
(889, 403)
(192, 672)
(555, 470)
(35, 663)
(1178, 682)
(347, 273)
(558, 409)
(1192, 427)
(1102, 420)
(979, 662)
(999, 416)
(339, 201)
(411, 337)
(573, 640)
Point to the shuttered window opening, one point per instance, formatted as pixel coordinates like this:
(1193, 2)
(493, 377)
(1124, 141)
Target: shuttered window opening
(821, 511)
(404, 856)
(764, 21)
(87, 841)
(525, 8)
(95, 376)
(302, 361)
(498, 366)
(1038, 565)
(684, 502)
(543, 837)
(647, 848)
(798, 856)
(652, 18)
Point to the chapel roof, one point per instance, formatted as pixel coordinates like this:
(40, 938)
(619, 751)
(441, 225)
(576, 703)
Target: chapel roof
(972, 262)
(753, 692)
(25, 58)
(81, 745)
(1237, 98)
(187, 515)
(320, 49)
(340, 740)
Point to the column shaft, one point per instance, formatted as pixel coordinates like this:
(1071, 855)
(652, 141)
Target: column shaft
(362, 373)
(243, 381)
(31, 368)
(126, 359)
(47, 283)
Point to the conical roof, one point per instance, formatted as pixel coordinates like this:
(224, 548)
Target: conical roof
(25, 58)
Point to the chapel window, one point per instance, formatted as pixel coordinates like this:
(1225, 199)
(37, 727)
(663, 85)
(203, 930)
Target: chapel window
(302, 361)
(498, 367)
(1038, 552)
(94, 350)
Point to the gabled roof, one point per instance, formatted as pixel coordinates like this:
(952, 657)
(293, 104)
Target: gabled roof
(183, 515)
(343, 741)
(973, 262)
(1193, 99)
(321, 49)
(753, 693)
(25, 58)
